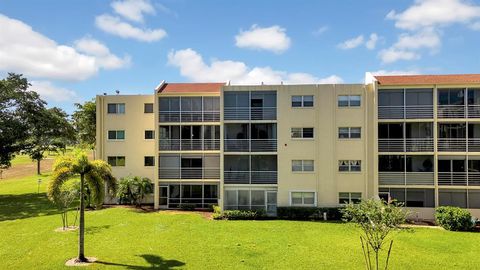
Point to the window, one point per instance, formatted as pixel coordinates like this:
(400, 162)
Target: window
(302, 101)
(148, 161)
(302, 165)
(148, 108)
(116, 108)
(116, 161)
(149, 134)
(302, 198)
(349, 133)
(302, 133)
(349, 197)
(349, 101)
(349, 166)
(116, 134)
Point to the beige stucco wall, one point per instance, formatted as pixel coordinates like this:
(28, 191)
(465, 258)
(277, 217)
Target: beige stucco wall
(134, 122)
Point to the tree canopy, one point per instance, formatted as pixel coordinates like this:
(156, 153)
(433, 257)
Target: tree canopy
(84, 120)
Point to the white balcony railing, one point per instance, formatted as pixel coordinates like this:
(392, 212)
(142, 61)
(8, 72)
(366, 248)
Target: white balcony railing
(250, 145)
(250, 177)
(406, 178)
(405, 112)
(459, 178)
(473, 144)
(189, 173)
(189, 145)
(473, 111)
(250, 113)
(189, 116)
(452, 145)
(451, 111)
(406, 145)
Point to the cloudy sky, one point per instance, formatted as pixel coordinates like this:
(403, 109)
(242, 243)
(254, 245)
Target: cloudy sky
(73, 50)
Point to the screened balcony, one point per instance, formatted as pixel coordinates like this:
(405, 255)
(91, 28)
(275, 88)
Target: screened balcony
(250, 137)
(410, 197)
(189, 109)
(200, 195)
(189, 138)
(246, 169)
(459, 103)
(250, 105)
(189, 166)
(457, 171)
(405, 170)
(405, 137)
(452, 137)
(405, 103)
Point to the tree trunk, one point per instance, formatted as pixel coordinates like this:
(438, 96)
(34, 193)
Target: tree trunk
(81, 235)
(38, 166)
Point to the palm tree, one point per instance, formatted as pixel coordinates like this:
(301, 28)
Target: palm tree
(93, 174)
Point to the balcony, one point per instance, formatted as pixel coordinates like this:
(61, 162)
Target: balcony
(189, 116)
(406, 178)
(405, 112)
(250, 145)
(189, 173)
(451, 111)
(250, 177)
(406, 145)
(189, 145)
(452, 145)
(250, 113)
(459, 178)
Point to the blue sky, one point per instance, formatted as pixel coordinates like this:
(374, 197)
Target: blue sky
(73, 50)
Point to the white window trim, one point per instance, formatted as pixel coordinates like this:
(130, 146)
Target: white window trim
(349, 106)
(302, 205)
(349, 133)
(154, 162)
(302, 138)
(302, 106)
(303, 167)
(117, 107)
(154, 135)
(349, 166)
(117, 140)
(349, 196)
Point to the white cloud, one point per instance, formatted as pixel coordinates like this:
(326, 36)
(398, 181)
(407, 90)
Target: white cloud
(351, 43)
(475, 26)
(273, 38)
(52, 93)
(193, 67)
(423, 39)
(372, 41)
(133, 9)
(393, 54)
(435, 13)
(319, 31)
(23, 50)
(103, 57)
(116, 26)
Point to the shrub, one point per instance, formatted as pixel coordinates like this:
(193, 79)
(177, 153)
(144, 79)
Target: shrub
(217, 212)
(187, 206)
(453, 218)
(133, 189)
(243, 214)
(308, 213)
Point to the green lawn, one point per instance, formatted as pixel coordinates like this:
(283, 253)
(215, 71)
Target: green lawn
(127, 239)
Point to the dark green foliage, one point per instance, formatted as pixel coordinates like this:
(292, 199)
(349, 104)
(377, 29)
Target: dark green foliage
(454, 218)
(309, 213)
(217, 212)
(243, 214)
(133, 189)
(84, 121)
(187, 206)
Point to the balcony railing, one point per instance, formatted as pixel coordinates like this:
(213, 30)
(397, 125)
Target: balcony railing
(406, 145)
(250, 145)
(405, 178)
(473, 111)
(473, 144)
(250, 113)
(452, 144)
(189, 116)
(405, 112)
(189, 145)
(189, 173)
(451, 111)
(250, 177)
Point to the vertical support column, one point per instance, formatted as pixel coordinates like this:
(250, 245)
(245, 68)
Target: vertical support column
(156, 185)
(221, 192)
(435, 143)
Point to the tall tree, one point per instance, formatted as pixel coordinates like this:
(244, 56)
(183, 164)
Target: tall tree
(50, 130)
(18, 107)
(95, 174)
(84, 121)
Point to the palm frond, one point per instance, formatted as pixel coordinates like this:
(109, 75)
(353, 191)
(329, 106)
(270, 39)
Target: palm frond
(97, 187)
(104, 170)
(59, 176)
(63, 162)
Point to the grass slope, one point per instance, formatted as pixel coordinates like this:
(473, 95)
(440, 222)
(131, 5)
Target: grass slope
(124, 238)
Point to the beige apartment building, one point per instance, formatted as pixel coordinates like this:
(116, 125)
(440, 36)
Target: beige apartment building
(414, 138)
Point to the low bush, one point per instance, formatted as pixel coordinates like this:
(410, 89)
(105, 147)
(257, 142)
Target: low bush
(454, 218)
(217, 212)
(187, 206)
(308, 213)
(243, 214)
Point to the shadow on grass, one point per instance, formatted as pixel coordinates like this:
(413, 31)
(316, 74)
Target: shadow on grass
(96, 229)
(25, 206)
(154, 261)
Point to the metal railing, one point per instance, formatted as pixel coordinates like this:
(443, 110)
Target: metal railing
(406, 145)
(250, 145)
(189, 116)
(189, 145)
(459, 178)
(451, 111)
(250, 177)
(406, 178)
(250, 113)
(405, 112)
(189, 173)
(473, 144)
(473, 111)
(452, 144)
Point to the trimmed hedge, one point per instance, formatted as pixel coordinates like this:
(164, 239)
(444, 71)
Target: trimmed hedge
(238, 214)
(309, 213)
(187, 206)
(454, 218)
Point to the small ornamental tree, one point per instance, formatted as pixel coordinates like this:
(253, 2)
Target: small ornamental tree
(132, 190)
(68, 193)
(377, 219)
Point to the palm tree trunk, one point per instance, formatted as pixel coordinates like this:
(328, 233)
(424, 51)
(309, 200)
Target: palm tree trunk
(38, 166)
(81, 236)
